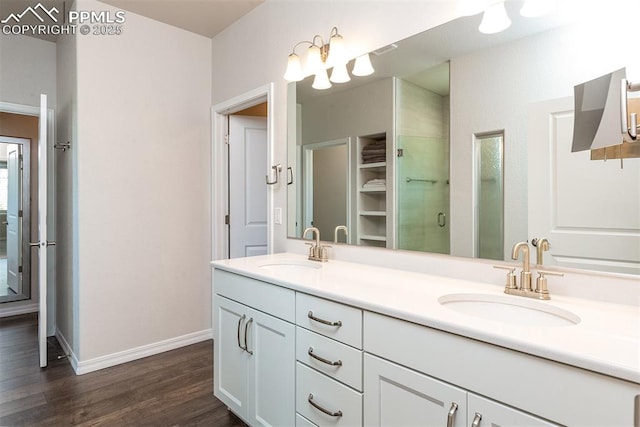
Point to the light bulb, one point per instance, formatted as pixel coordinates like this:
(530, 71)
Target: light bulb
(363, 66)
(495, 19)
(321, 81)
(294, 69)
(314, 60)
(337, 51)
(339, 74)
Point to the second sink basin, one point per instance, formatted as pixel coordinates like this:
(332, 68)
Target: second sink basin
(291, 266)
(509, 309)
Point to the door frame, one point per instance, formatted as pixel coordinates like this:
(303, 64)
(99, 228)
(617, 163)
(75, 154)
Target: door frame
(22, 307)
(219, 166)
(26, 212)
(307, 168)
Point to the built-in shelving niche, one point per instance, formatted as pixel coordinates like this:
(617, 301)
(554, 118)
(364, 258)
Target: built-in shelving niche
(374, 189)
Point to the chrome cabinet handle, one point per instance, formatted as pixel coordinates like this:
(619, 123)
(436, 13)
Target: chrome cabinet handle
(325, 322)
(239, 324)
(246, 329)
(322, 359)
(320, 408)
(451, 416)
(476, 420)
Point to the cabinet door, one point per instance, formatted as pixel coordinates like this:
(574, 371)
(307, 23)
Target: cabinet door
(230, 360)
(271, 345)
(397, 396)
(488, 413)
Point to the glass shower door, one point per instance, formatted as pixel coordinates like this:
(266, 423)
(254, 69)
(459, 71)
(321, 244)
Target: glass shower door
(423, 194)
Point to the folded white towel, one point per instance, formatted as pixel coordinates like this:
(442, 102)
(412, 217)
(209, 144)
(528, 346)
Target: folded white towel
(376, 181)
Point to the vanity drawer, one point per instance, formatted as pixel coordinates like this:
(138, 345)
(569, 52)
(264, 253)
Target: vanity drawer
(350, 369)
(331, 319)
(333, 397)
(263, 296)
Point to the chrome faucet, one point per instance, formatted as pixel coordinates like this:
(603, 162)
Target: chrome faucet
(524, 290)
(541, 246)
(338, 228)
(317, 252)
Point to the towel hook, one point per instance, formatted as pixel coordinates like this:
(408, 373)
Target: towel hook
(277, 169)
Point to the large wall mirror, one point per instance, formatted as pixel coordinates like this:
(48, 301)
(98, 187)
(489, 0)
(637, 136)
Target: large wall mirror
(460, 143)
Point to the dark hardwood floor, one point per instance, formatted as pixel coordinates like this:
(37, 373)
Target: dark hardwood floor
(169, 389)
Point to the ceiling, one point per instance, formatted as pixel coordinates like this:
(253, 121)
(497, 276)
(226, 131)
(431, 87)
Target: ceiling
(204, 17)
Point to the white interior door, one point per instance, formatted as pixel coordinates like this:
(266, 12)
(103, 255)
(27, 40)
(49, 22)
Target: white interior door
(582, 214)
(42, 230)
(247, 186)
(14, 220)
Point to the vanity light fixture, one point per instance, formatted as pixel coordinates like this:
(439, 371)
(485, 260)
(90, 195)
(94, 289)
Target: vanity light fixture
(362, 66)
(495, 18)
(320, 57)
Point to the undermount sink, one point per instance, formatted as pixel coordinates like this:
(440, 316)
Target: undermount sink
(509, 309)
(291, 266)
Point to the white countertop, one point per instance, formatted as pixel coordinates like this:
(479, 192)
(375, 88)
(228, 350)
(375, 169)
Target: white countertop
(606, 340)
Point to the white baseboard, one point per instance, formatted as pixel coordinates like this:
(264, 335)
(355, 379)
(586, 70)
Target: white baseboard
(21, 309)
(86, 366)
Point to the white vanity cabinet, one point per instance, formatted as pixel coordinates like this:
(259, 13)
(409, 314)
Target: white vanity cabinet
(284, 356)
(517, 384)
(398, 396)
(254, 352)
(329, 362)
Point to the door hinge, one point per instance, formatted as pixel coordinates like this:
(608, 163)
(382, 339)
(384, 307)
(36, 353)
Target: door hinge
(226, 219)
(226, 139)
(19, 269)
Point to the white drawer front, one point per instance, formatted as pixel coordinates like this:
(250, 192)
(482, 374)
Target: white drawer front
(345, 322)
(328, 394)
(303, 422)
(341, 362)
(272, 299)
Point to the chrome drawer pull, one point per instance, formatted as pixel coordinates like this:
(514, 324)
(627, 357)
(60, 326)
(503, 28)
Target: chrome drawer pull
(476, 420)
(325, 322)
(246, 328)
(451, 416)
(320, 408)
(322, 359)
(240, 323)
